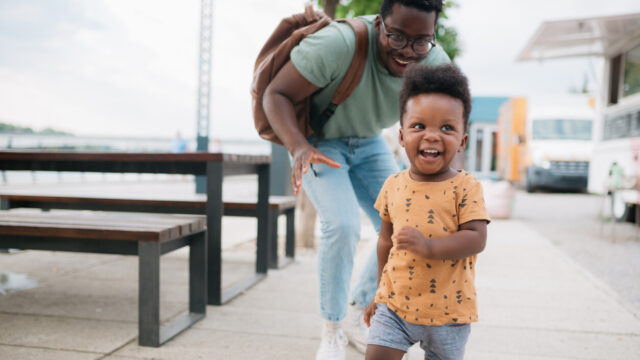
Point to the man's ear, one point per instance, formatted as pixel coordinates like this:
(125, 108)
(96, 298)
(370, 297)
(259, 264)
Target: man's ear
(400, 136)
(376, 24)
(463, 142)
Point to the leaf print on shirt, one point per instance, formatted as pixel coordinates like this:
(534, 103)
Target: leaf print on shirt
(462, 202)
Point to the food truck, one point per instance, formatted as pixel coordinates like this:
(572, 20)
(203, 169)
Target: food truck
(615, 165)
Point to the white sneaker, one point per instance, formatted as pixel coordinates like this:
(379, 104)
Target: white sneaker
(355, 328)
(333, 343)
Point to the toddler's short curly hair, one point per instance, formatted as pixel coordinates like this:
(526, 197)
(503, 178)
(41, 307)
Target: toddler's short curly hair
(441, 79)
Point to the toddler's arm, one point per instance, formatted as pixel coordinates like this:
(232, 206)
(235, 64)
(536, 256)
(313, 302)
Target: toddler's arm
(384, 245)
(470, 239)
(383, 249)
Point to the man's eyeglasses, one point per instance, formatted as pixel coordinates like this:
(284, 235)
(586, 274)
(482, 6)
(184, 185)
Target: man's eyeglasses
(420, 46)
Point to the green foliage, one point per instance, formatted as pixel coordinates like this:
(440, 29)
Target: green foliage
(14, 129)
(50, 131)
(8, 128)
(446, 35)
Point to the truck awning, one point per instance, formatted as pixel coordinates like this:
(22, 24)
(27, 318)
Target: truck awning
(580, 37)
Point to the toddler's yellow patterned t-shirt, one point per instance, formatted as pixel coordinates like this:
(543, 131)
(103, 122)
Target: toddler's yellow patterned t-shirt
(423, 291)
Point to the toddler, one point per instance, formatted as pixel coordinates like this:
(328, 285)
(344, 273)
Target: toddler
(434, 224)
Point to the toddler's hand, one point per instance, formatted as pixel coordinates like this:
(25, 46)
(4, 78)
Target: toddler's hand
(411, 239)
(369, 311)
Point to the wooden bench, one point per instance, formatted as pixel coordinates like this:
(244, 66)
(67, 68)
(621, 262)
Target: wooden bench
(278, 205)
(146, 235)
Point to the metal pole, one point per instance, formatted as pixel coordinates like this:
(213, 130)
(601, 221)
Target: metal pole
(280, 173)
(204, 84)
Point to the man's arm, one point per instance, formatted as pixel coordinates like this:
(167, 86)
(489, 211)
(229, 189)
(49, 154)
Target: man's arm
(470, 239)
(287, 88)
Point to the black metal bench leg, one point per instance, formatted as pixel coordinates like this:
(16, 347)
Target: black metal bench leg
(214, 233)
(149, 293)
(4, 205)
(290, 241)
(263, 213)
(262, 246)
(149, 331)
(273, 239)
(291, 234)
(198, 274)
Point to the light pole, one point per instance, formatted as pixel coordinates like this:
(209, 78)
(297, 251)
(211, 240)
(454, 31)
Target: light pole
(204, 84)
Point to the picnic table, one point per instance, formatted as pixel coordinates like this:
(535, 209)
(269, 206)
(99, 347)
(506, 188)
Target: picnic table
(213, 166)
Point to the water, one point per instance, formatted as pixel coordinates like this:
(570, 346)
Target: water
(34, 141)
(31, 141)
(11, 282)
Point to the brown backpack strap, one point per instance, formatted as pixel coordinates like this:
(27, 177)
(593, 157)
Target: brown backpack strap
(352, 78)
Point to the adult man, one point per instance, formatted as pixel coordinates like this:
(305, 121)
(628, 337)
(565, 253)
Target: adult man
(351, 160)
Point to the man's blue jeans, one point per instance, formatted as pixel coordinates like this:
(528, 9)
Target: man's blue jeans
(336, 193)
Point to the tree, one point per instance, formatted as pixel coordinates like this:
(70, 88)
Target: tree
(329, 7)
(447, 36)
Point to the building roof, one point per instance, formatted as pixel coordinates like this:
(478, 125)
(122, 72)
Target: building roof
(581, 37)
(485, 108)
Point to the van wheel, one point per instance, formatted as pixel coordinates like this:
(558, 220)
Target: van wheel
(621, 211)
(529, 186)
(528, 183)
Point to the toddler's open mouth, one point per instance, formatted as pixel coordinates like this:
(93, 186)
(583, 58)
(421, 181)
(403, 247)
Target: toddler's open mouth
(429, 153)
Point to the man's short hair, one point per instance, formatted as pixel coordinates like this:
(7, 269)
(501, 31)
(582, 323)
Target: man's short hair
(441, 79)
(423, 5)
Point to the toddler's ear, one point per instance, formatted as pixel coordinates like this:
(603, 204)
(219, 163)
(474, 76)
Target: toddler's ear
(463, 142)
(400, 137)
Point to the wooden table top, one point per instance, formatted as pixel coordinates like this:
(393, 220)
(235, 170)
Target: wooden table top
(66, 155)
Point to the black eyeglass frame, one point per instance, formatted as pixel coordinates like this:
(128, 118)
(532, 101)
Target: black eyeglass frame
(406, 42)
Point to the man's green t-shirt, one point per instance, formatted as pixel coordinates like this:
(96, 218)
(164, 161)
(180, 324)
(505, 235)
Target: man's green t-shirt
(323, 58)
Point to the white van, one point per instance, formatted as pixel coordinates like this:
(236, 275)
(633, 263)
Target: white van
(559, 142)
(615, 167)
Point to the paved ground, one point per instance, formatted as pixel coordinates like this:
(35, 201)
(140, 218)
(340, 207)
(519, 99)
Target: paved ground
(536, 302)
(574, 223)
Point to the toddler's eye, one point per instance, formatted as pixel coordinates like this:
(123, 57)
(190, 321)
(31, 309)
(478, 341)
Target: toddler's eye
(447, 127)
(417, 126)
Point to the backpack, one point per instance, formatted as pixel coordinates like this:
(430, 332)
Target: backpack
(275, 54)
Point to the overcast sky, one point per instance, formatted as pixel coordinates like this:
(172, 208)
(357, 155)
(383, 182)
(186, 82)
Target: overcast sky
(129, 67)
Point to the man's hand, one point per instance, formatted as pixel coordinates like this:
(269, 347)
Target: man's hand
(289, 87)
(411, 239)
(369, 311)
(302, 158)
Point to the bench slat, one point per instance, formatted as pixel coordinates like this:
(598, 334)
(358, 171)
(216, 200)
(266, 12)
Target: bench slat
(99, 225)
(135, 218)
(49, 230)
(275, 202)
(92, 222)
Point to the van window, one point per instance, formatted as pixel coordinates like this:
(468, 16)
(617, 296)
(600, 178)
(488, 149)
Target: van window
(561, 129)
(631, 82)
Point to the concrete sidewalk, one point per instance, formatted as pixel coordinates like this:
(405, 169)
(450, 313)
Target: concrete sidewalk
(535, 303)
